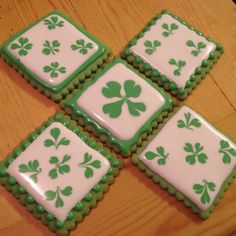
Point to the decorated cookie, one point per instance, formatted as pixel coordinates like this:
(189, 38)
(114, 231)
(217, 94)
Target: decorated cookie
(54, 54)
(59, 173)
(173, 53)
(119, 105)
(191, 159)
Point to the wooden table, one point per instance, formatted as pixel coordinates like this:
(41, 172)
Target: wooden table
(134, 205)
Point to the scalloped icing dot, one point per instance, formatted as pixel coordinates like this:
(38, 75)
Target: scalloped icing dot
(166, 49)
(191, 155)
(58, 169)
(54, 51)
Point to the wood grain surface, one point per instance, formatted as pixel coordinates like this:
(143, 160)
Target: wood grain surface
(133, 205)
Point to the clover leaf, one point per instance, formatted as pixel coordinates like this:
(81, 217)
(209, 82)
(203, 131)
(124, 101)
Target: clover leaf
(51, 195)
(197, 48)
(55, 133)
(50, 48)
(196, 153)
(113, 90)
(180, 64)
(203, 190)
(189, 123)
(151, 46)
(31, 167)
(160, 153)
(227, 151)
(54, 69)
(169, 29)
(89, 165)
(82, 46)
(53, 22)
(24, 46)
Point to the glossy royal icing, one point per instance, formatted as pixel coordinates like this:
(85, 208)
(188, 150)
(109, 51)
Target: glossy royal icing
(58, 169)
(191, 155)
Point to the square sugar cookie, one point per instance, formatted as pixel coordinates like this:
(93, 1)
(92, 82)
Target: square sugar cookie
(173, 53)
(54, 54)
(119, 105)
(59, 173)
(191, 159)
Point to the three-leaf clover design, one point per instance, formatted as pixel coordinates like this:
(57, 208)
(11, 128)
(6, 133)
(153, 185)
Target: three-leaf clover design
(89, 164)
(180, 64)
(203, 189)
(162, 156)
(189, 123)
(196, 154)
(169, 29)
(23, 45)
(60, 167)
(50, 48)
(227, 151)
(54, 69)
(81, 46)
(197, 48)
(51, 195)
(113, 90)
(55, 133)
(53, 22)
(151, 46)
(31, 167)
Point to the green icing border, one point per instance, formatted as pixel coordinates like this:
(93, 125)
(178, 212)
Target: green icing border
(58, 92)
(125, 147)
(162, 80)
(157, 179)
(83, 207)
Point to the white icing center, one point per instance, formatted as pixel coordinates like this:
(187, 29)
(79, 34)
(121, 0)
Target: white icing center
(177, 171)
(74, 178)
(67, 35)
(173, 46)
(125, 126)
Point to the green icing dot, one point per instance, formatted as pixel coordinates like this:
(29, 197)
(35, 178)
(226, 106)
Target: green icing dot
(84, 137)
(115, 163)
(110, 171)
(50, 217)
(66, 123)
(76, 130)
(188, 84)
(127, 52)
(92, 143)
(25, 144)
(70, 216)
(17, 152)
(33, 136)
(192, 78)
(21, 190)
(3, 171)
(147, 67)
(59, 224)
(97, 188)
(29, 199)
(11, 181)
(198, 71)
(137, 59)
(155, 73)
(204, 63)
(88, 197)
(165, 11)
(132, 43)
(163, 79)
(146, 28)
(104, 179)
(211, 56)
(172, 86)
(40, 209)
(181, 91)
(79, 206)
(58, 116)
(219, 47)
(140, 35)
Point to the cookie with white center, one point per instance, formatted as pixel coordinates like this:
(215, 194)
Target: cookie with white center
(191, 159)
(55, 55)
(120, 106)
(59, 173)
(173, 53)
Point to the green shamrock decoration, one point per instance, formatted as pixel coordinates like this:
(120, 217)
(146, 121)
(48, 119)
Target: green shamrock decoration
(54, 69)
(151, 46)
(88, 165)
(55, 132)
(131, 89)
(81, 46)
(53, 22)
(162, 156)
(195, 154)
(24, 46)
(60, 167)
(203, 190)
(51, 195)
(197, 47)
(50, 48)
(31, 167)
(189, 122)
(179, 65)
(227, 151)
(169, 29)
